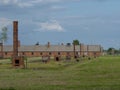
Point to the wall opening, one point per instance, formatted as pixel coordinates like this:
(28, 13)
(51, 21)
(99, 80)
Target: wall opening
(57, 58)
(17, 62)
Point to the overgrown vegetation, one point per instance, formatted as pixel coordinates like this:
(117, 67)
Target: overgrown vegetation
(101, 73)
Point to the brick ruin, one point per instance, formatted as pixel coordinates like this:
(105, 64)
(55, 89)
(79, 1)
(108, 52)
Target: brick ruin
(1, 50)
(17, 61)
(45, 51)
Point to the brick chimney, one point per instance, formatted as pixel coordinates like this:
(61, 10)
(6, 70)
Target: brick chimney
(18, 43)
(81, 49)
(48, 45)
(17, 60)
(15, 38)
(74, 50)
(62, 43)
(1, 50)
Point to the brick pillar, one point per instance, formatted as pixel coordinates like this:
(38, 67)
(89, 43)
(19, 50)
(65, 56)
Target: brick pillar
(1, 51)
(48, 45)
(74, 51)
(15, 38)
(81, 49)
(17, 61)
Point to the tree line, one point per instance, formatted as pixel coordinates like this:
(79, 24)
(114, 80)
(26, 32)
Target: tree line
(113, 51)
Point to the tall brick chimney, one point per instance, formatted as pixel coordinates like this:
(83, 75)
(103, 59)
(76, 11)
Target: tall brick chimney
(17, 61)
(18, 43)
(48, 44)
(15, 38)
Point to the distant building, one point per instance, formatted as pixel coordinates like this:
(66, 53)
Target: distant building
(52, 50)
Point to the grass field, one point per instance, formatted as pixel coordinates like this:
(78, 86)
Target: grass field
(101, 73)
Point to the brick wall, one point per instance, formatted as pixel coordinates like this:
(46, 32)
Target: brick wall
(52, 54)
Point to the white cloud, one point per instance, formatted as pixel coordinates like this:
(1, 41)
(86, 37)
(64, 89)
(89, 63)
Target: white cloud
(51, 25)
(4, 22)
(29, 3)
(25, 3)
(8, 2)
(19, 3)
(34, 2)
(58, 8)
(22, 5)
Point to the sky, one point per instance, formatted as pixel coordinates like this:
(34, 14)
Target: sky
(62, 21)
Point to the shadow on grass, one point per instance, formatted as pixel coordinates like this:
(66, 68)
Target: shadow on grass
(10, 88)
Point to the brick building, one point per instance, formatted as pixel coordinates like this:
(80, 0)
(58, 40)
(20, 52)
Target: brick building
(52, 50)
(17, 50)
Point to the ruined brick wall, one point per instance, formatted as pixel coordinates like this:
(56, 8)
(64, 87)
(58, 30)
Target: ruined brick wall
(52, 54)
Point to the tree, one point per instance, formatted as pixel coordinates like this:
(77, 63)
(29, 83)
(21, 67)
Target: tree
(76, 42)
(111, 51)
(37, 43)
(3, 36)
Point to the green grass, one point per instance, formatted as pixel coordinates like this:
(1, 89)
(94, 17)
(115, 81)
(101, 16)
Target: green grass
(101, 73)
